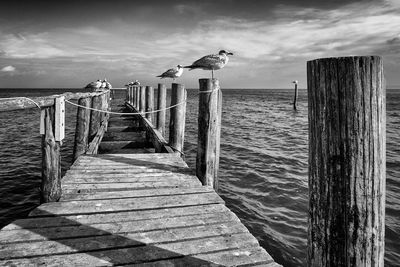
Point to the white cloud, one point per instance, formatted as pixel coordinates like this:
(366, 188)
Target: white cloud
(8, 69)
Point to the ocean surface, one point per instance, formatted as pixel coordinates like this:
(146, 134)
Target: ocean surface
(263, 165)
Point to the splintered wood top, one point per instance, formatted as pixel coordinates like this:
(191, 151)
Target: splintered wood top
(128, 209)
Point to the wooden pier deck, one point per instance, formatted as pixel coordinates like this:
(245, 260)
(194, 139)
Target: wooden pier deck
(131, 206)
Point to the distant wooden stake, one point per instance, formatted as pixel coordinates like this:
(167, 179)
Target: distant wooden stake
(347, 158)
(51, 160)
(177, 118)
(82, 127)
(149, 103)
(295, 95)
(209, 131)
(161, 105)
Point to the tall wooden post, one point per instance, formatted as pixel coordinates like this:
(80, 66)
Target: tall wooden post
(347, 174)
(127, 93)
(142, 103)
(209, 132)
(177, 117)
(82, 127)
(94, 117)
(51, 158)
(149, 102)
(295, 95)
(161, 105)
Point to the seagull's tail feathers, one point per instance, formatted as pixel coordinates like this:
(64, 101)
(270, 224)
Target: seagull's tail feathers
(161, 76)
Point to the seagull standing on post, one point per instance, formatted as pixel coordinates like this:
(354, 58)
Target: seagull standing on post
(211, 62)
(172, 73)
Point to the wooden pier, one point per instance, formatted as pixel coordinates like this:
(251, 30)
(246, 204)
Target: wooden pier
(135, 202)
(130, 199)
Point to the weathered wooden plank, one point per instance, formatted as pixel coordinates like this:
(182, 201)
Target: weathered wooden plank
(237, 257)
(113, 205)
(123, 128)
(123, 136)
(43, 102)
(159, 169)
(121, 240)
(112, 145)
(127, 179)
(121, 162)
(124, 216)
(86, 188)
(135, 193)
(56, 233)
(144, 253)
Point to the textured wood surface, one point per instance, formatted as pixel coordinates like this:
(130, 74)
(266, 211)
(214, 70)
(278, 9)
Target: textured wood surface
(209, 131)
(51, 160)
(346, 162)
(161, 105)
(177, 117)
(82, 127)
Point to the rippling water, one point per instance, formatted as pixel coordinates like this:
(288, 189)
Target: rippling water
(263, 165)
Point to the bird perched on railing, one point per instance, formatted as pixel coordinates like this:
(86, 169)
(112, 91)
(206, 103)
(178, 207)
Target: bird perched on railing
(136, 82)
(211, 62)
(94, 85)
(172, 73)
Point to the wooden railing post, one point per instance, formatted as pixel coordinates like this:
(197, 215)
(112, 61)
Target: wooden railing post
(51, 158)
(94, 117)
(347, 174)
(149, 103)
(161, 105)
(177, 117)
(82, 127)
(209, 132)
(142, 103)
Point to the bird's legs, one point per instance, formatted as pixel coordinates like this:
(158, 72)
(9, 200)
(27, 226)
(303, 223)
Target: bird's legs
(212, 73)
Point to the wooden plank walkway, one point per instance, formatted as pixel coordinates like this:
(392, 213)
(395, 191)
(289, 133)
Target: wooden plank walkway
(131, 207)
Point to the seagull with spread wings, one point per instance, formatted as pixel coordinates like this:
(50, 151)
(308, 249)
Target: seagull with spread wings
(172, 73)
(211, 62)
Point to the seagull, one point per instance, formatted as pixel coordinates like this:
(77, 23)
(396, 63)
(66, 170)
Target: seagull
(172, 73)
(296, 82)
(108, 85)
(211, 62)
(104, 84)
(136, 82)
(98, 84)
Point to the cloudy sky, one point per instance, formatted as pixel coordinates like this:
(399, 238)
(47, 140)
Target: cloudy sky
(70, 43)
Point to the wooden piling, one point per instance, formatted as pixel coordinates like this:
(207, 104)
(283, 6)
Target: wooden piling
(149, 103)
(177, 117)
(295, 95)
(142, 103)
(161, 105)
(82, 127)
(51, 159)
(209, 131)
(346, 161)
(94, 117)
